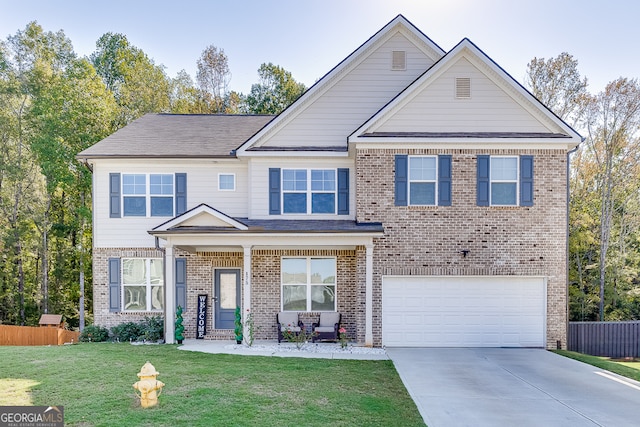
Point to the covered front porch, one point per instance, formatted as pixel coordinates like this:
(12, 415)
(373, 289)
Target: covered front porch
(225, 262)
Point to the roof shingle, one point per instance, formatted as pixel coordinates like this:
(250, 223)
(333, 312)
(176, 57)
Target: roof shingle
(179, 135)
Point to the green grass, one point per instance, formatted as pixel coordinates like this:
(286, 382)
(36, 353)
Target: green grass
(626, 369)
(94, 384)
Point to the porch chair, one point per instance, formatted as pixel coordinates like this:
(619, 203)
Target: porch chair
(288, 321)
(327, 327)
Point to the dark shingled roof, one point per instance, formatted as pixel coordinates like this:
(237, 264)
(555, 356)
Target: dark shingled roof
(179, 135)
(260, 226)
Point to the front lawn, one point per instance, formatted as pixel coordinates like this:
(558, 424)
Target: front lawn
(93, 381)
(626, 369)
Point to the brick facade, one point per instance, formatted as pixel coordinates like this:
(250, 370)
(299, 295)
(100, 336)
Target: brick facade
(265, 291)
(501, 240)
(526, 241)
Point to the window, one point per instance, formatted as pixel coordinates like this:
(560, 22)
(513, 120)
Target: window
(504, 181)
(156, 198)
(422, 180)
(226, 182)
(309, 191)
(134, 190)
(142, 284)
(308, 284)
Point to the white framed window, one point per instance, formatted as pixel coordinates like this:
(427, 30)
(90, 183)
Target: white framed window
(308, 283)
(147, 194)
(504, 175)
(227, 181)
(423, 179)
(309, 191)
(142, 284)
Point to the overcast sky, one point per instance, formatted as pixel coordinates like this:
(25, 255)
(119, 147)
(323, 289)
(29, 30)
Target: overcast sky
(309, 37)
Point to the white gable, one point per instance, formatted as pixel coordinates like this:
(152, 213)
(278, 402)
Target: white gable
(201, 216)
(350, 93)
(436, 108)
(488, 105)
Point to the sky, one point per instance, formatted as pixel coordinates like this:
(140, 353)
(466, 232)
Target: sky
(309, 37)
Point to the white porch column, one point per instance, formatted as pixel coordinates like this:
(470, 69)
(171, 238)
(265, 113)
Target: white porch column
(247, 287)
(169, 295)
(368, 299)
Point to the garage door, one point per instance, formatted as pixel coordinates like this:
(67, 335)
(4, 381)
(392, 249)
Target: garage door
(463, 311)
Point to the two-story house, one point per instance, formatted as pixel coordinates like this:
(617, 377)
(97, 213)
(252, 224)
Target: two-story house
(420, 193)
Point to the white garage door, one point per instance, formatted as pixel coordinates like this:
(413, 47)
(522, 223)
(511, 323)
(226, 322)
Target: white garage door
(463, 311)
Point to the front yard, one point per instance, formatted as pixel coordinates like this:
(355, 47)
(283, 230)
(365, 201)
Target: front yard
(629, 369)
(94, 384)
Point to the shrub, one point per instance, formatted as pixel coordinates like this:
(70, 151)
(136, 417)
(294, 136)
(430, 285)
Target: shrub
(127, 331)
(152, 328)
(94, 333)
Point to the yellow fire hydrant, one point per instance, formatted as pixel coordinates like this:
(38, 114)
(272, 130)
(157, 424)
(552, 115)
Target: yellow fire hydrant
(148, 386)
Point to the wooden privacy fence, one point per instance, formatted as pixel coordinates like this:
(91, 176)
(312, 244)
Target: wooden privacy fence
(29, 335)
(611, 339)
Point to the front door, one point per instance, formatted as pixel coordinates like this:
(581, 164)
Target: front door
(226, 297)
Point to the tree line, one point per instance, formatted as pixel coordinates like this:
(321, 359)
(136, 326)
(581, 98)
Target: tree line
(54, 104)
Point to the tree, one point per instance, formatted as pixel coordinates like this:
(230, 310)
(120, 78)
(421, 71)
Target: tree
(613, 122)
(138, 84)
(213, 77)
(557, 83)
(276, 90)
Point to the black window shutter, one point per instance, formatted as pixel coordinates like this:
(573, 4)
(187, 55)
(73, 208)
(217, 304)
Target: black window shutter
(114, 195)
(401, 180)
(343, 191)
(274, 191)
(114, 284)
(526, 180)
(181, 283)
(483, 185)
(181, 193)
(444, 180)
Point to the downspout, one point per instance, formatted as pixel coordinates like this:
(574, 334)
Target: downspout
(164, 273)
(569, 153)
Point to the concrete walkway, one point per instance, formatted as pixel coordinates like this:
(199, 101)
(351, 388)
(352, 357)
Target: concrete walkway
(513, 387)
(272, 348)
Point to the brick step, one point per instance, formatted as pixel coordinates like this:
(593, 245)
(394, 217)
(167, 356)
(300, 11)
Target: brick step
(220, 334)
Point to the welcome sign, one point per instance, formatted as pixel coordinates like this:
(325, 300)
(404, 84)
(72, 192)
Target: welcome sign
(201, 329)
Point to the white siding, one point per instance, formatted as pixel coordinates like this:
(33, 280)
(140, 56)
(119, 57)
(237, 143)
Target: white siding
(202, 187)
(259, 182)
(436, 109)
(332, 117)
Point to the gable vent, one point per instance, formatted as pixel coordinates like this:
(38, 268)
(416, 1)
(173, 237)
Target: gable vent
(463, 87)
(399, 60)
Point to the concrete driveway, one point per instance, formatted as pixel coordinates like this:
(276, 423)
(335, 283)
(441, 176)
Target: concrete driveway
(513, 387)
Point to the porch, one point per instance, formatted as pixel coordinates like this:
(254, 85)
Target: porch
(202, 244)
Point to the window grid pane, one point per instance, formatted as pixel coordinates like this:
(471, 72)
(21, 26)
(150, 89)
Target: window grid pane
(294, 180)
(422, 168)
(422, 193)
(161, 184)
(226, 182)
(134, 184)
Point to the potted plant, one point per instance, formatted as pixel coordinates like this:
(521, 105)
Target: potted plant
(238, 328)
(179, 327)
